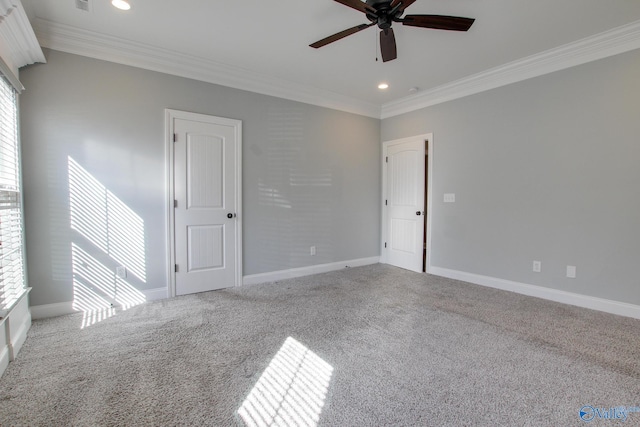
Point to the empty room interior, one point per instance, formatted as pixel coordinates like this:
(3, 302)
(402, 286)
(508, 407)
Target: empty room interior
(320, 213)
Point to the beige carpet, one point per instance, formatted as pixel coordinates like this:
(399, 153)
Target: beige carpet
(368, 346)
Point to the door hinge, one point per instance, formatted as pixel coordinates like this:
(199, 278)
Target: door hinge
(386, 160)
(175, 203)
(176, 268)
(175, 137)
(385, 202)
(385, 245)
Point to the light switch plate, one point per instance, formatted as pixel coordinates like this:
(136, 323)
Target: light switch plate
(571, 271)
(449, 197)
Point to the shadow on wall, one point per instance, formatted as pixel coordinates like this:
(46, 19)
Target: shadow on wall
(106, 234)
(295, 195)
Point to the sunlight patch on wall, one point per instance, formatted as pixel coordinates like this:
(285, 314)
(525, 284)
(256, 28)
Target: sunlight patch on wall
(96, 289)
(103, 219)
(110, 235)
(291, 391)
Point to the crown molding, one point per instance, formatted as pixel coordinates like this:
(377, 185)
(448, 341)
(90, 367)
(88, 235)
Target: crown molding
(99, 46)
(18, 43)
(599, 46)
(74, 40)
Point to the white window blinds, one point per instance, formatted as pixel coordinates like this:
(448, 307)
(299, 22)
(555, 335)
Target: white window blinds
(12, 281)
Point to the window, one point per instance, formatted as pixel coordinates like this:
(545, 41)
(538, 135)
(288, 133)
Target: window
(12, 277)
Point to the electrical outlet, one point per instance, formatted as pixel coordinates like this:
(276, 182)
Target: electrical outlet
(571, 271)
(121, 271)
(537, 266)
(312, 250)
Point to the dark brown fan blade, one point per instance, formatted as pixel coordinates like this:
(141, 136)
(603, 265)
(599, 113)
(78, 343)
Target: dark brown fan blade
(357, 5)
(388, 45)
(342, 34)
(438, 22)
(405, 4)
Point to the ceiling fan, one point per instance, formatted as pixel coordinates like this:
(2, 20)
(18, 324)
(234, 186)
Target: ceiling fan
(385, 12)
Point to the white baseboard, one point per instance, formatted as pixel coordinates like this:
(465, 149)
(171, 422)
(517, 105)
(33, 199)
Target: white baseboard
(273, 276)
(51, 310)
(62, 308)
(155, 294)
(585, 301)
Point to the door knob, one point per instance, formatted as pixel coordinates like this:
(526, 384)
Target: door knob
(231, 215)
(418, 213)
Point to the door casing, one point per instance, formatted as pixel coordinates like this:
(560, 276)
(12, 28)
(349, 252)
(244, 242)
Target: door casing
(429, 211)
(170, 116)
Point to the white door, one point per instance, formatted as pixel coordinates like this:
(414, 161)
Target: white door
(206, 203)
(405, 204)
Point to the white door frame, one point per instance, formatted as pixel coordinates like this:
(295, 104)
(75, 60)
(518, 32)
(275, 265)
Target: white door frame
(429, 212)
(170, 116)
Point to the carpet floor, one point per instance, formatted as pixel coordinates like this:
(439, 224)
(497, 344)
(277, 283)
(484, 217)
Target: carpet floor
(366, 346)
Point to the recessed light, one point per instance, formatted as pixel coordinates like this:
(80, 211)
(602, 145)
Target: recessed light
(121, 4)
(383, 86)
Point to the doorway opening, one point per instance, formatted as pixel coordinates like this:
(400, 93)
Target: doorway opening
(426, 197)
(407, 166)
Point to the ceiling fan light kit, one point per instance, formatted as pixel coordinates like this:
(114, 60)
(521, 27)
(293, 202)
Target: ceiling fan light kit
(121, 4)
(384, 13)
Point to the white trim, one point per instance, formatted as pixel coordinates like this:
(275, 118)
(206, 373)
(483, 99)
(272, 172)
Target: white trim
(17, 325)
(585, 301)
(19, 43)
(155, 294)
(63, 308)
(52, 310)
(430, 163)
(429, 212)
(170, 116)
(292, 273)
(170, 194)
(4, 347)
(608, 43)
(69, 39)
(74, 40)
(14, 327)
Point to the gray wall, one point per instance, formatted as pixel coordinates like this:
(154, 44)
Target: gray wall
(546, 169)
(311, 175)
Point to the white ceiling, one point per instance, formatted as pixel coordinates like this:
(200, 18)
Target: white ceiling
(270, 38)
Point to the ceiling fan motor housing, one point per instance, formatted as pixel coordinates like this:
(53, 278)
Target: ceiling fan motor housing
(382, 17)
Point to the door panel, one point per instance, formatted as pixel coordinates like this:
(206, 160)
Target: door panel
(205, 191)
(205, 174)
(205, 247)
(405, 204)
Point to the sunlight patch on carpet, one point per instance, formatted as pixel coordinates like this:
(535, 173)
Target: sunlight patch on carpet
(291, 391)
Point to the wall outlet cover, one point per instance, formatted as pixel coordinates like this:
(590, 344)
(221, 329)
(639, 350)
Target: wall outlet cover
(121, 272)
(537, 266)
